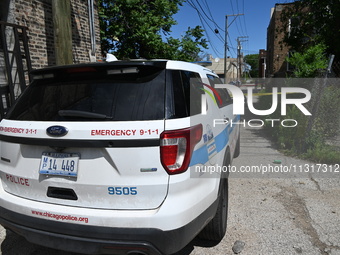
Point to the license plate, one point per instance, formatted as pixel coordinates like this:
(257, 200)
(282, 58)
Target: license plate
(62, 164)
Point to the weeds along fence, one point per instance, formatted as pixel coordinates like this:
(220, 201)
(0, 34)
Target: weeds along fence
(317, 136)
(324, 124)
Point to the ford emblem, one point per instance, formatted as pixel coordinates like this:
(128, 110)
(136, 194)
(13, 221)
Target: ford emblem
(56, 131)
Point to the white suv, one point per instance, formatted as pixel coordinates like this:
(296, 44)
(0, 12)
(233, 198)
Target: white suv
(112, 158)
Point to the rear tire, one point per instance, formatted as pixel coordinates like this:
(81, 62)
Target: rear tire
(216, 228)
(238, 146)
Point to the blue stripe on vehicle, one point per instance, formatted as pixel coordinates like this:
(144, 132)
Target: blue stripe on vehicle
(222, 139)
(200, 156)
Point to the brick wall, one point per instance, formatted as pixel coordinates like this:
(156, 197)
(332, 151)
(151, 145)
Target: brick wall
(276, 51)
(37, 16)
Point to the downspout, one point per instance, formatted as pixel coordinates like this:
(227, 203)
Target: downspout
(92, 52)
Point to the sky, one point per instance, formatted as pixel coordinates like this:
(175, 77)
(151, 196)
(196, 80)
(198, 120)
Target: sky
(252, 25)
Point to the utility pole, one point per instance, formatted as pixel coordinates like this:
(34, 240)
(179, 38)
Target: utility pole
(226, 41)
(61, 10)
(239, 56)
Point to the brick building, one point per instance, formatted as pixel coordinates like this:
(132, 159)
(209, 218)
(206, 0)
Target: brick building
(38, 17)
(276, 50)
(40, 33)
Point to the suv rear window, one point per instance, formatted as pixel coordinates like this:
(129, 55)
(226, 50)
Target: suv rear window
(115, 94)
(187, 90)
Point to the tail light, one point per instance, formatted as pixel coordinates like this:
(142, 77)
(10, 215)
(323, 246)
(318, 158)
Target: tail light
(177, 147)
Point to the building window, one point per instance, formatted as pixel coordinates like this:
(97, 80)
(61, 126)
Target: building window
(293, 26)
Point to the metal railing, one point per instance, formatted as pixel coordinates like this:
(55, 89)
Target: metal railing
(15, 64)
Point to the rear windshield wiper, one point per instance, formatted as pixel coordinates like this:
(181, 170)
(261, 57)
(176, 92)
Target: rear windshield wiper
(82, 114)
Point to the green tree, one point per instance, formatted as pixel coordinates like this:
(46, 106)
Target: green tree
(310, 62)
(253, 61)
(188, 47)
(313, 22)
(134, 28)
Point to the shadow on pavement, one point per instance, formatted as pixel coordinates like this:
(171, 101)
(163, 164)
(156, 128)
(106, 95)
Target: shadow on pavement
(196, 242)
(14, 244)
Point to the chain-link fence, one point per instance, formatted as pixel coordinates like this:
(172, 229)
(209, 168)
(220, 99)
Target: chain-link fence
(335, 69)
(317, 136)
(325, 121)
(322, 134)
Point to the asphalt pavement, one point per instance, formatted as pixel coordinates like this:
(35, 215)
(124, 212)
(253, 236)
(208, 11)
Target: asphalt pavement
(279, 213)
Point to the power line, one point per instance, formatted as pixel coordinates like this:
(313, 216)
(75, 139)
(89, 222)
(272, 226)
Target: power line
(201, 16)
(245, 24)
(207, 6)
(206, 18)
(244, 19)
(212, 46)
(226, 41)
(206, 32)
(233, 10)
(239, 25)
(215, 31)
(238, 11)
(203, 22)
(211, 18)
(232, 46)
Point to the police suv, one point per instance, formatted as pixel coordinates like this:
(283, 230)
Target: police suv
(118, 158)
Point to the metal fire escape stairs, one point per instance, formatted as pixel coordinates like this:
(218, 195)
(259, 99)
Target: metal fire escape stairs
(15, 64)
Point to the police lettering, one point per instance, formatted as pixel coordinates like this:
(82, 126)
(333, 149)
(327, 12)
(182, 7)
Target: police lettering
(17, 180)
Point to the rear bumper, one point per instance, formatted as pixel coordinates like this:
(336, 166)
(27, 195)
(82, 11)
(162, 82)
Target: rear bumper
(164, 230)
(81, 239)
(103, 240)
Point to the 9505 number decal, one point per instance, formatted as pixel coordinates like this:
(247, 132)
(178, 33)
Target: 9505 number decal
(122, 191)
